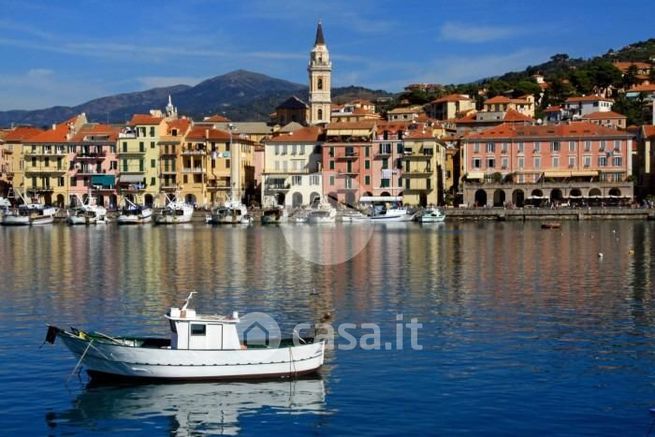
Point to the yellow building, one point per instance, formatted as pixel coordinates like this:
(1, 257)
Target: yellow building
(423, 168)
(138, 156)
(170, 157)
(211, 159)
(13, 153)
(46, 161)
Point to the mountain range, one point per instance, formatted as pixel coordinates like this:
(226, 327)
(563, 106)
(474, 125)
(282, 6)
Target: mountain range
(239, 95)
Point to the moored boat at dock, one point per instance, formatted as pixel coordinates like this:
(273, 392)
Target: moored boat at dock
(174, 212)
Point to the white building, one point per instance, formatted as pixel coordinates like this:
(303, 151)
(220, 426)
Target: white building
(578, 107)
(292, 168)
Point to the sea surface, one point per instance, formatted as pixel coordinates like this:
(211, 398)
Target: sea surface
(524, 331)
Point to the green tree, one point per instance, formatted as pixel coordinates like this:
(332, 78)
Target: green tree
(630, 77)
(527, 86)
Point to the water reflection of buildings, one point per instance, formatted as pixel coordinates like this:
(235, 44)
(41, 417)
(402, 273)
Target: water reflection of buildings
(186, 409)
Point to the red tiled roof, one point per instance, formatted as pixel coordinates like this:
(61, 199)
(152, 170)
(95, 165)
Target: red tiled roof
(598, 115)
(624, 66)
(363, 124)
(201, 133)
(642, 88)
(57, 135)
(452, 98)
(303, 135)
(514, 116)
(577, 130)
(21, 133)
(555, 108)
(181, 124)
(649, 130)
(497, 99)
(144, 119)
(588, 99)
(96, 130)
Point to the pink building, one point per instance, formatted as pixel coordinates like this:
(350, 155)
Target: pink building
(388, 152)
(574, 162)
(94, 164)
(348, 161)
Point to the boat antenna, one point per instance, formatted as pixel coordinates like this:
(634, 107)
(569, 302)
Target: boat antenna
(188, 300)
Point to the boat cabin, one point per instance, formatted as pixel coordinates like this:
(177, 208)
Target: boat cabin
(202, 332)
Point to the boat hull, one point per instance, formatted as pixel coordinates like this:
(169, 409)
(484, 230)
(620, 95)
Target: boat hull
(14, 220)
(125, 362)
(172, 219)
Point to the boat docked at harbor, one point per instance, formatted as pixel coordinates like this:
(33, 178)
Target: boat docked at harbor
(175, 212)
(5, 206)
(88, 215)
(274, 215)
(232, 213)
(199, 347)
(31, 214)
(385, 209)
(393, 214)
(133, 214)
(431, 215)
(322, 214)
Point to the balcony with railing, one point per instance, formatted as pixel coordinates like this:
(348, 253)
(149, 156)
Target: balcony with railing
(193, 170)
(90, 156)
(53, 151)
(418, 172)
(422, 154)
(42, 169)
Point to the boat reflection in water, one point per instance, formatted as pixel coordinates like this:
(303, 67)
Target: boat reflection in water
(189, 409)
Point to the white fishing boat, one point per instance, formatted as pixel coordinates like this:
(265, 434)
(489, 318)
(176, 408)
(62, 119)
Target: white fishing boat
(200, 347)
(274, 215)
(325, 213)
(432, 215)
(88, 215)
(353, 216)
(133, 214)
(174, 212)
(5, 205)
(31, 214)
(393, 214)
(232, 213)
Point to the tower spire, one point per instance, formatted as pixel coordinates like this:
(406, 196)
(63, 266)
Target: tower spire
(320, 39)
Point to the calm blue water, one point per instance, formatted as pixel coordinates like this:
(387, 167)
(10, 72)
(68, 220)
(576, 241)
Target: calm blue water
(524, 330)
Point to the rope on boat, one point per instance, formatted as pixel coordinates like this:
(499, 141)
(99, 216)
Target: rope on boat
(292, 364)
(80, 361)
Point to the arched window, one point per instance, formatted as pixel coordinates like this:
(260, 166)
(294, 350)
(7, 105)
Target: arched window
(320, 114)
(319, 84)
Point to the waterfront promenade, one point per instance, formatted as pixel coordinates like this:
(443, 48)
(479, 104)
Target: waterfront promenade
(524, 214)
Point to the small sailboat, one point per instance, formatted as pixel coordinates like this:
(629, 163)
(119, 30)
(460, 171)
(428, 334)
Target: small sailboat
(199, 347)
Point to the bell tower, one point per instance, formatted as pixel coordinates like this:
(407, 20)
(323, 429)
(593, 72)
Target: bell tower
(320, 80)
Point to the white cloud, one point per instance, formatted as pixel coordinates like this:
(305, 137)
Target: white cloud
(471, 33)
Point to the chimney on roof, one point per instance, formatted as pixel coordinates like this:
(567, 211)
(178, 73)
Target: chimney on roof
(207, 133)
(54, 126)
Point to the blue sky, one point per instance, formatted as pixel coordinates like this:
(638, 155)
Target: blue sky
(66, 52)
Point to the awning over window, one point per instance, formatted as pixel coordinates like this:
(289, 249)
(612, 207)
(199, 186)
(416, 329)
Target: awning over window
(105, 180)
(557, 174)
(585, 173)
(130, 179)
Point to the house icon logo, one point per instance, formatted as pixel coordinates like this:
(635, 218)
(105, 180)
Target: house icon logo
(259, 330)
